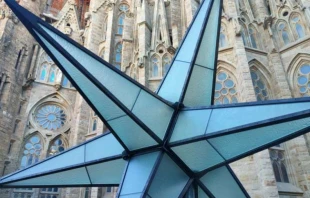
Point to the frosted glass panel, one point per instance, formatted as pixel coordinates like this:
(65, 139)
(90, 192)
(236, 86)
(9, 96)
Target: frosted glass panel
(206, 53)
(238, 143)
(190, 124)
(222, 178)
(199, 90)
(121, 88)
(201, 193)
(169, 180)
(187, 49)
(107, 172)
(225, 118)
(69, 158)
(132, 134)
(138, 173)
(198, 155)
(107, 145)
(104, 105)
(154, 113)
(173, 84)
(71, 177)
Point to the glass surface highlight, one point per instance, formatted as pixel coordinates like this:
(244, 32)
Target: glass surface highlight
(218, 180)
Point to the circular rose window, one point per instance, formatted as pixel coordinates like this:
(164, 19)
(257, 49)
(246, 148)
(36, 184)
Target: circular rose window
(51, 117)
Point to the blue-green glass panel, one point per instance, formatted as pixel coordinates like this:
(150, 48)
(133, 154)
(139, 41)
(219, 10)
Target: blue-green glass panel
(199, 90)
(107, 145)
(187, 49)
(110, 172)
(201, 193)
(238, 143)
(65, 159)
(71, 177)
(225, 118)
(131, 134)
(102, 103)
(135, 195)
(173, 84)
(138, 172)
(124, 90)
(159, 119)
(169, 180)
(207, 49)
(222, 184)
(190, 124)
(198, 155)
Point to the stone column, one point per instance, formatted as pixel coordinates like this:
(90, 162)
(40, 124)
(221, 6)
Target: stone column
(33, 62)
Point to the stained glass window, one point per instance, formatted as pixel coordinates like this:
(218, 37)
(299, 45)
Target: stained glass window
(23, 193)
(253, 35)
(64, 81)
(44, 68)
(223, 40)
(284, 34)
(124, 7)
(118, 56)
(166, 64)
(154, 66)
(52, 76)
(225, 89)
(43, 72)
(260, 87)
(120, 25)
(278, 165)
(243, 38)
(56, 147)
(32, 151)
(295, 21)
(303, 80)
(49, 193)
(94, 124)
(51, 117)
(105, 28)
(102, 53)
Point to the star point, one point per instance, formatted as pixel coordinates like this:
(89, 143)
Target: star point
(164, 144)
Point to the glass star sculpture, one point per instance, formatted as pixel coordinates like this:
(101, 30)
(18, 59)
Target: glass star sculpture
(172, 143)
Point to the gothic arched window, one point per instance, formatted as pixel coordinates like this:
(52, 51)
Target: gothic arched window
(223, 39)
(64, 81)
(44, 66)
(225, 89)
(260, 86)
(278, 165)
(94, 127)
(297, 27)
(120, 24)
(118, 56)
(31, 151)
(244, 36)
(105, 28)
(303, 80)
(56, 147)
(43, 72)
(102, 53)
(52, 75)
(253, 35)
(282, 28)
(124, 7)
(155, 66)
(166, 64)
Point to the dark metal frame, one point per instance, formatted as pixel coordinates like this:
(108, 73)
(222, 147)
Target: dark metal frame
(163, 146)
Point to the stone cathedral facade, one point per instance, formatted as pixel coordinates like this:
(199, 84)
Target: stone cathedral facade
(264, 54)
